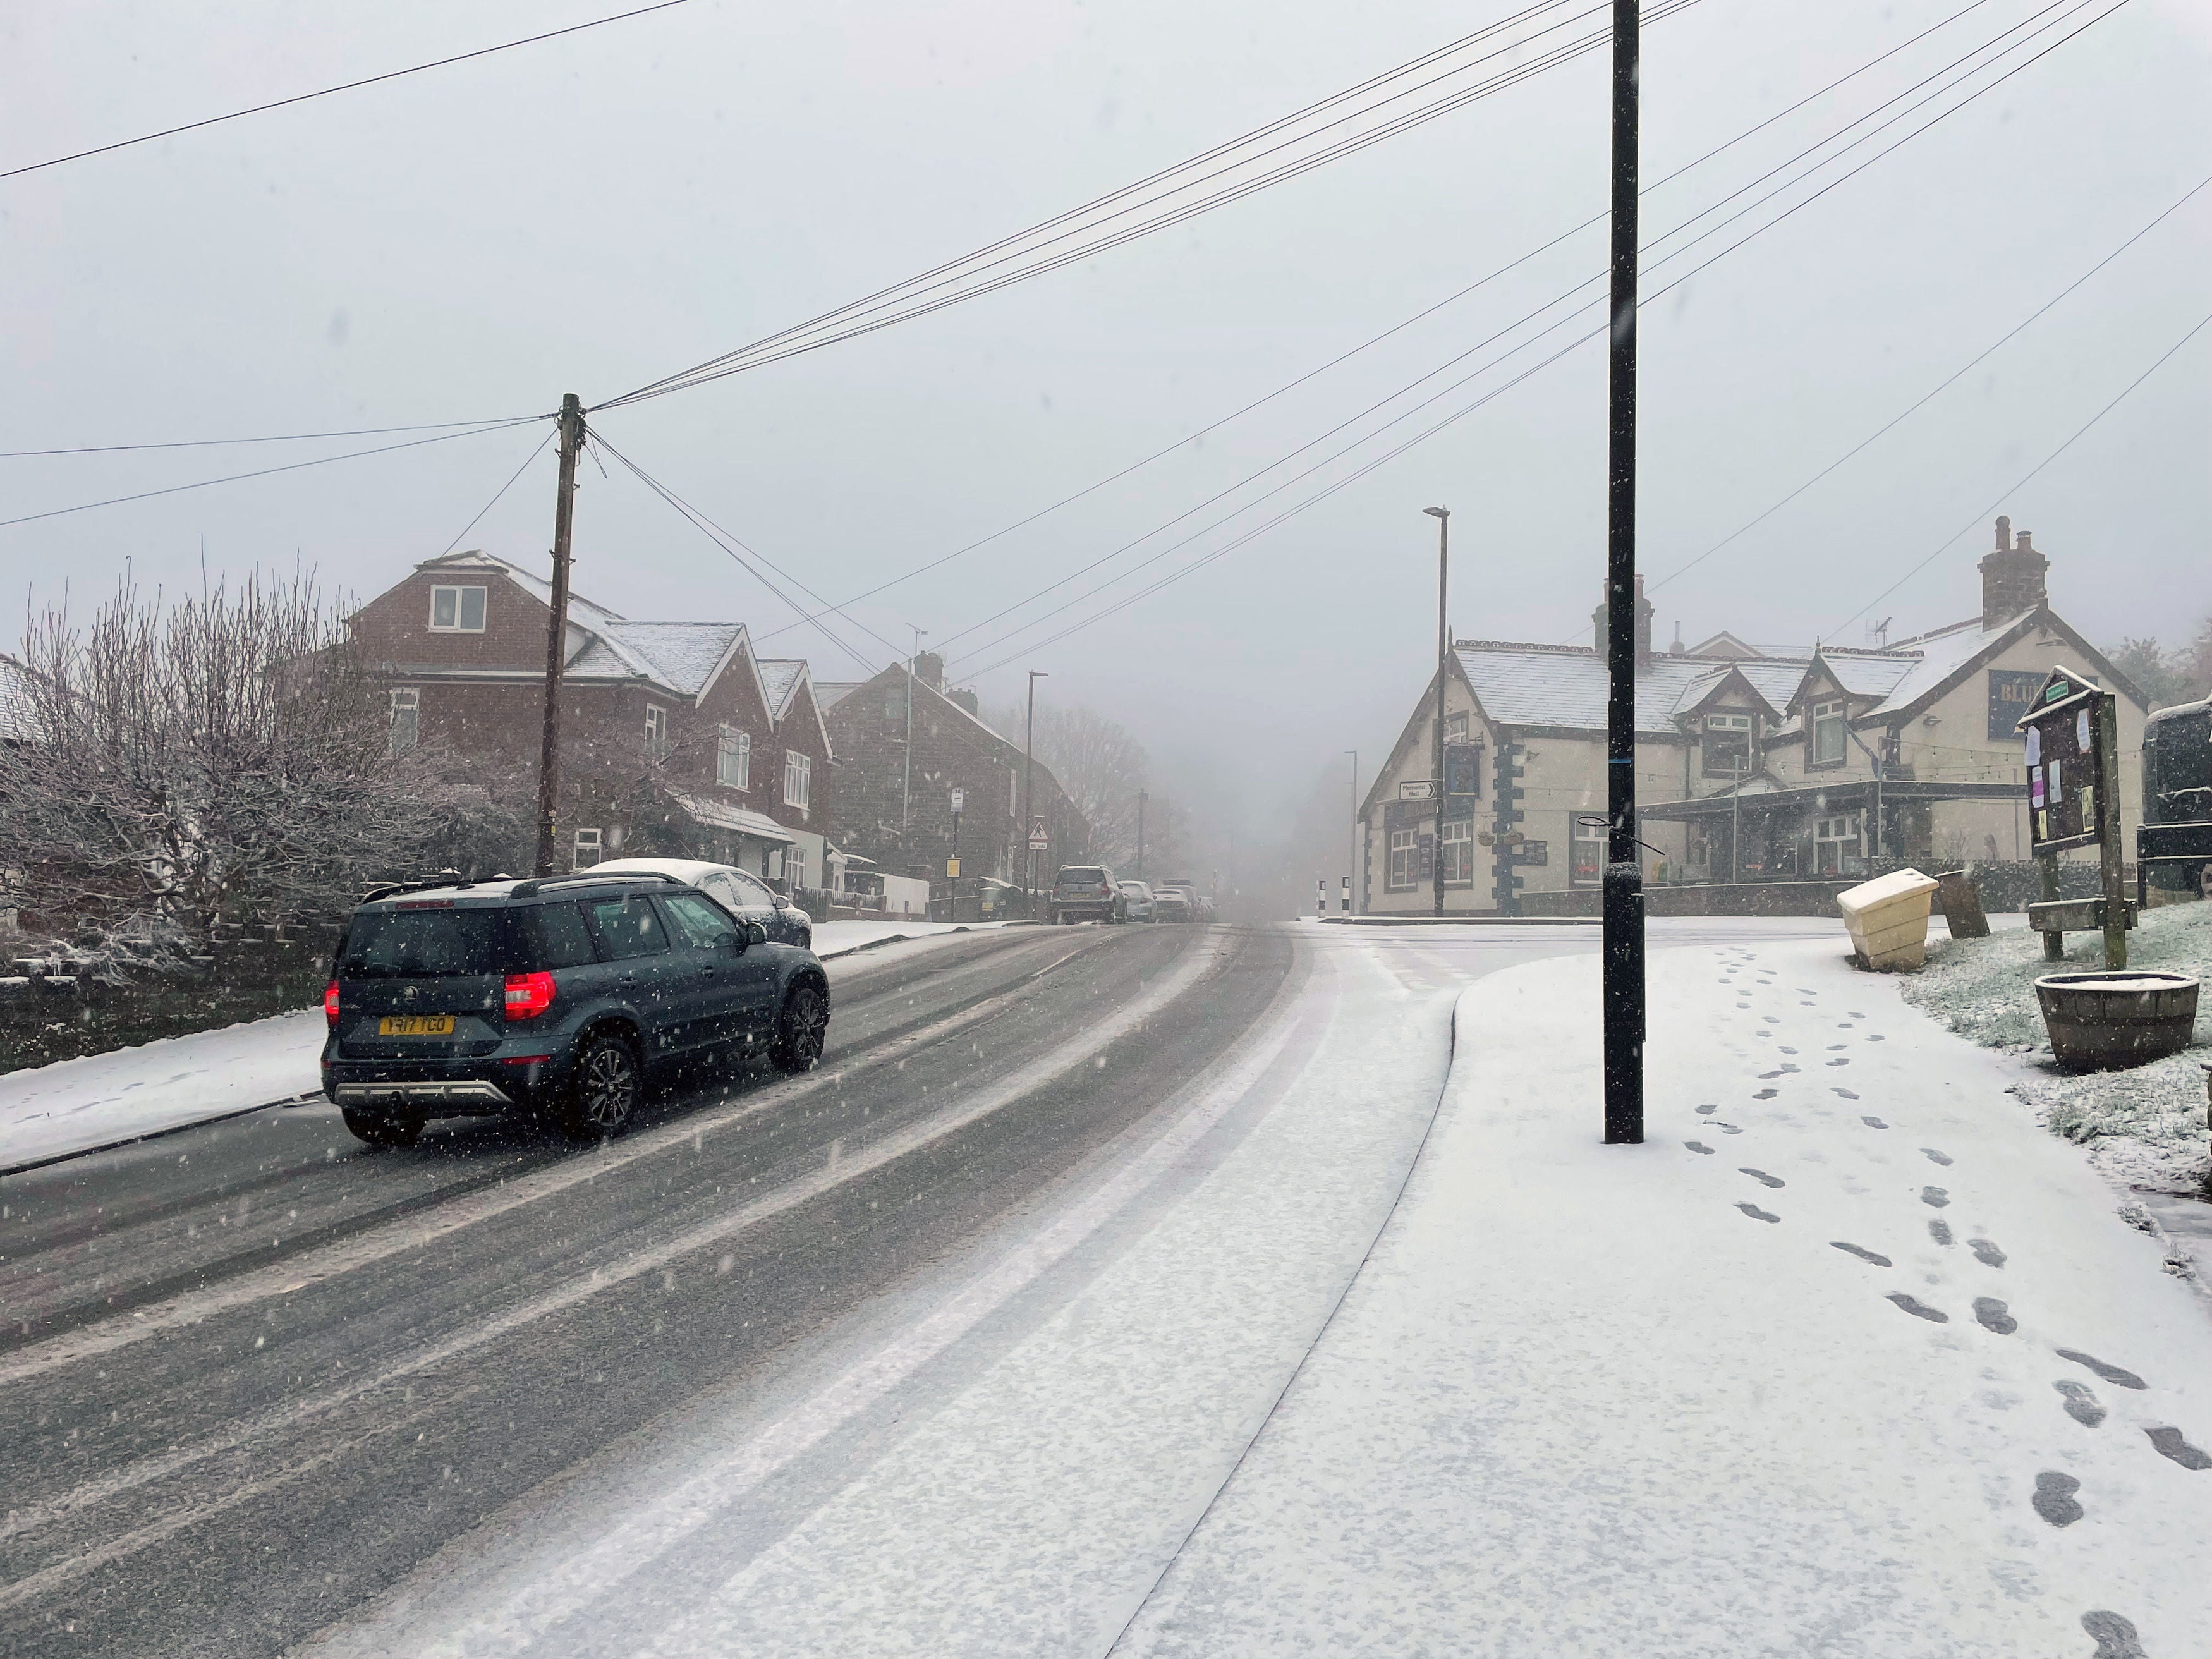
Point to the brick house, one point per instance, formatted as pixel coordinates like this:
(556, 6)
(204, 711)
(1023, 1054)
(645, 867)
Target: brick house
(1752, 763)
(675, 739)
(903, 821)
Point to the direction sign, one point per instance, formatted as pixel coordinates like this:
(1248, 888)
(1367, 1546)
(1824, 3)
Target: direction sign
(1417, 789)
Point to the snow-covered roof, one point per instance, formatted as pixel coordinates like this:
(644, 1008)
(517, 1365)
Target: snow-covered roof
(683, 655)
(828, 693)
(1938, 655)
(779, 679)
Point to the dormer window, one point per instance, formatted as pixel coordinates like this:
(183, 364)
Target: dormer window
(1828, 738)
(456, 610)
(1727, 745)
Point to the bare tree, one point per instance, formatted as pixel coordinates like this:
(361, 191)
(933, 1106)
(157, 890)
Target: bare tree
(1101, 767)
(223, 757)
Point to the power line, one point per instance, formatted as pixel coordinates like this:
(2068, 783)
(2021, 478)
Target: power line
(1583, 340)
(1398, 327)
(348, 86)
(552, 432)
(2164, 357)
(271, 438)
(804, 338)
(1549, 329)
(743, 555)
(1940, 387)
(264, 472)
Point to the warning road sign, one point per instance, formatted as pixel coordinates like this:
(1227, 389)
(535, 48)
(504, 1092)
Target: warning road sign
(1038, 840)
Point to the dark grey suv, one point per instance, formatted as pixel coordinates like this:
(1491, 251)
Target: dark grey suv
(559, 998)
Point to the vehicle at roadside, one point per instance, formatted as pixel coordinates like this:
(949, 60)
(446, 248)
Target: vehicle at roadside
(562, 998)
(1206, 911)
(1137, 902)
(1087, 892)
(1170, 905)
(740, 892)
(1187, 890)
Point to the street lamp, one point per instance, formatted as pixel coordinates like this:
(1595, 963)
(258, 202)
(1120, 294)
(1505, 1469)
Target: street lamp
(1352, 867)
(906, 781)
(1028, 770)
(1443, 516)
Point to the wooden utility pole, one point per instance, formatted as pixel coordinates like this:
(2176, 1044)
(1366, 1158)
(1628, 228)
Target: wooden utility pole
(1623, 945)
(556, 634)
(2114, 879)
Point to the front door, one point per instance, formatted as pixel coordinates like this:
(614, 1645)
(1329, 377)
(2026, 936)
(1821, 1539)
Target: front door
(731, 985)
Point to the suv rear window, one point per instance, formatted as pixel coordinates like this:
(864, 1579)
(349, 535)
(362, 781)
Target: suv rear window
(555, 937)
(1075, 872)
(428, 944)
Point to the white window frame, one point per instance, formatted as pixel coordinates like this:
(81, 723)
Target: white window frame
(1831, 715)
(583, 841)
(798, 778)
(1404, 873)
(795, 867)
(1733, 725)
(461, 623)
(656, 732)
(1458, 852)
(1581, 835)
(1454, 728)
(406, 716)
(1837, 844)
(733, 757)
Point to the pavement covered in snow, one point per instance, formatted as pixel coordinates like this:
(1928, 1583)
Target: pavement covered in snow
(837, 938)
(1850, 1357)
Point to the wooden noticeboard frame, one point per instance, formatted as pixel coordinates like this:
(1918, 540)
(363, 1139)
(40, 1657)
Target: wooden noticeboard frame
(2071, 734)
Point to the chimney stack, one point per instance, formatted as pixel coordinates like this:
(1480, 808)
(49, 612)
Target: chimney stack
(929, 669)
(2013, 577)
(1645, 609)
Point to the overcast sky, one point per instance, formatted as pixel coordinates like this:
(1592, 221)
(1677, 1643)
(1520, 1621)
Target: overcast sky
(590, 213)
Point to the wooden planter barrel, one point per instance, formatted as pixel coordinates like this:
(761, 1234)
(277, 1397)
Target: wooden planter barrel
(2099, 1021)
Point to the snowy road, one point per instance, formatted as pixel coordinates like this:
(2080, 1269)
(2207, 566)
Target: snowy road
(943, 1349)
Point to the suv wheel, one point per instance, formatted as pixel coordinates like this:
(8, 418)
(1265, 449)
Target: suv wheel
(378, 1130)
(604, 1092)
(800, 1030)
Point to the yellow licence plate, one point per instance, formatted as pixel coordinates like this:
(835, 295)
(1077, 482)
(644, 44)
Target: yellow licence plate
(415, 1026)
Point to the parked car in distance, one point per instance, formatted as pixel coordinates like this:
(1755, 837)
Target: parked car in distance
(1137, 902)
(1185, 889)
(1087, 892)
(740, 892)
(1170, 904)
(559, 998)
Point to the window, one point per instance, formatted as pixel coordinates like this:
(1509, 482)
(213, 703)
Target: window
(656, 732)
(798, 778)
(1459, 854)
(1836, 846)
(442, 942)
(705, 926)
(1589, 867)
(1405, 859)
(733, 757)
(406, 719)
(626, 927)
(1455, 728)
(1727, 745)
(457, 610)
(588, 850)
(794, 866)
(1828, 733)
(555, 937)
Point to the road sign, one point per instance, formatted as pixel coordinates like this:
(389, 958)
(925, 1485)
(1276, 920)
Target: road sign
(953, 869)
(1038, 840)
(1417, 789)
(959, 799)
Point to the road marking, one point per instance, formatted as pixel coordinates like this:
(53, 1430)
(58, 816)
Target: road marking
(407, 1233)
(794, 1193)
(588, 1574)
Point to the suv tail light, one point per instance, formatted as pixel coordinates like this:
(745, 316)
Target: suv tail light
(330, 1003)
(528, 995)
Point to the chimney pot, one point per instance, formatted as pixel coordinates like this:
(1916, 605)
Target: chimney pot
(2004, 534)
(2021, 543)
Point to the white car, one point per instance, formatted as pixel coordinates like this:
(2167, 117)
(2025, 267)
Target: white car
(740, 892)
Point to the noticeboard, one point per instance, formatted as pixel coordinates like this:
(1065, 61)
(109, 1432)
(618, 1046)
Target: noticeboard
(2012, 694)
(2063, 740)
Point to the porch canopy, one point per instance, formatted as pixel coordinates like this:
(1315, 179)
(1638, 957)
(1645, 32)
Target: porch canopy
(1840, 797)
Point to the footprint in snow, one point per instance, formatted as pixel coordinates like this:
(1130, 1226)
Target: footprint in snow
(1763, 1076)
(1837, 1047)
(2081, 1404)
(1993, 1315)
(1698, 1146)
(1854, 1013)
(1919, 1309)
(1841, 1060)
(1871, 1122)
(1875, 1036)
(1846, 1094)
(1726, 1128)
(1766, 1094)
(1986, 1252)
(2054, 1497)
(2116, 1637)
(1935, 1156)
(1763, 1178)
(1934, 1196)
(1787, 1051)
(1708, 1110)
(2116, 1375)
(1743, 1004)
(1940, 1231)
(1771, 1019)
(1862, 1253)
(2171, 1445)
(1756, 1214)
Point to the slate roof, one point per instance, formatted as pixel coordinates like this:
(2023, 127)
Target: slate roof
(778, 676)
(682, 655)
(828, 693)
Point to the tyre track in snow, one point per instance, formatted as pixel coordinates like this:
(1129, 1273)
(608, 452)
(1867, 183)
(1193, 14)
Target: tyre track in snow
(188, 1471)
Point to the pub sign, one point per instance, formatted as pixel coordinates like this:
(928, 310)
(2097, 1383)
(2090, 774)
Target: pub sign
(2012, 693)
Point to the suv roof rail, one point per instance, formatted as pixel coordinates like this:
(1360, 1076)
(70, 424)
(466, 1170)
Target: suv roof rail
(524, 888)
(384, 890)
